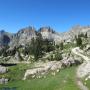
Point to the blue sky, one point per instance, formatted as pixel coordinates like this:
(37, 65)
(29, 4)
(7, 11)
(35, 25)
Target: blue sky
(59, 14)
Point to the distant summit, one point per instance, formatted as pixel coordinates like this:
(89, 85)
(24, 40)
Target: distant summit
(46, 29)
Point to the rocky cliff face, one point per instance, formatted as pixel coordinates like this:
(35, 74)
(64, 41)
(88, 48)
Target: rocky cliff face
(25, 35)
(5, 38)
(47, 32)
(50, 34)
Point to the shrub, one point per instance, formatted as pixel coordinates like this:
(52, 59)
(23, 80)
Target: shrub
(78, 41)
(58, 56)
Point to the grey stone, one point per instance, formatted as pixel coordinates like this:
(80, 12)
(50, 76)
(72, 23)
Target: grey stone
(3, 69)
(3, 80)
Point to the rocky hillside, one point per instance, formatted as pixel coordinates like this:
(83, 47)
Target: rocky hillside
(75, 31)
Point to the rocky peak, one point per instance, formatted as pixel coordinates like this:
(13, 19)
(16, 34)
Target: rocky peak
(76, 30)
(23, 36)
(46, 32)
(46, 29)
(26, 31)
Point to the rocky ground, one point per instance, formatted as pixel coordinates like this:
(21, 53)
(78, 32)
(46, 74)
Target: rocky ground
(3, 70)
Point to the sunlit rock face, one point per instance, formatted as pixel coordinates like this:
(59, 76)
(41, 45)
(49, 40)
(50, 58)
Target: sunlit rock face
(49, 33)
(46, 32)
(23, 36)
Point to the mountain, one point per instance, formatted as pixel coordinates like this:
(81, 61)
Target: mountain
(75, 31)
(25, 35)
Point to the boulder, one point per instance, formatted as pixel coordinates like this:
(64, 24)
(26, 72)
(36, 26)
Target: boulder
(70, 61)
(3, 80)
(3, 69)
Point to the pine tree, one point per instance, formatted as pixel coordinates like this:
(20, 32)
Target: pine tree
(61, 46)
(58, 56)
(36, 46)
(86, 35)
(79, 41)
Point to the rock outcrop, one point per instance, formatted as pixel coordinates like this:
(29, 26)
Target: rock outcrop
(3, 69)
(41, 68)
(3, 80)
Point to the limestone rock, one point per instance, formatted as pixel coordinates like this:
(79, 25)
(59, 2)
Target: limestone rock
(3, 80)
(3, 69)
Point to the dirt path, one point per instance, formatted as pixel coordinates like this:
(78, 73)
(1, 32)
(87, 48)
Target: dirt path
(81, 85)
(83, 69)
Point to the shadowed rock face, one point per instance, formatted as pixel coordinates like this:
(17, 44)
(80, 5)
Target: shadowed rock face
(5, 38)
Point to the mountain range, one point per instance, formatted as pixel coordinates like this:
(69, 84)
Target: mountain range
(24, 36)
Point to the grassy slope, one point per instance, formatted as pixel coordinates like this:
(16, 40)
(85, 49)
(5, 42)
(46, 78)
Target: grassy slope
(88, 83)
(64, 80)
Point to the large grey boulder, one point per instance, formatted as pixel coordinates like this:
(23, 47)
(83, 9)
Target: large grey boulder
(67, 62)
(3, 80)
(3, 69)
